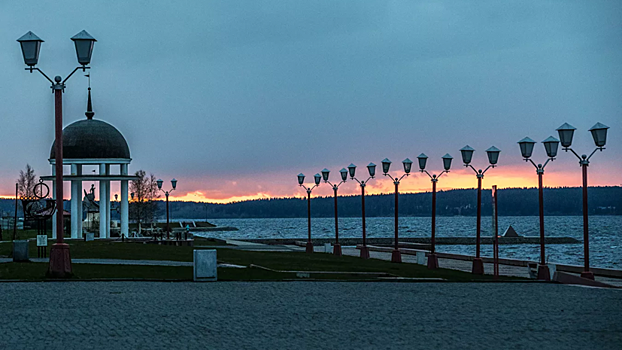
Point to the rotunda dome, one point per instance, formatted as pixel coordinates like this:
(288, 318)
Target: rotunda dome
(92, 139)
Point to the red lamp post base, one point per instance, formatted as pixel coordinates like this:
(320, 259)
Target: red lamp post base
(364, 252)
(337, 249)
(544, 273)
(432, 261)
(60, 261)
(309, 247)
(396, 256)
(588, 275)
(478, 266)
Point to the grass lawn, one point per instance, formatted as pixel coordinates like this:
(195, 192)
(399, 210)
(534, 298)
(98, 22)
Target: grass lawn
(287, 261)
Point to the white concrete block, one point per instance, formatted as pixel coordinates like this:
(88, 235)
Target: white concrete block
(90, 236)
(552, 269)
(421, 260)
(205, 265)
(328, 248)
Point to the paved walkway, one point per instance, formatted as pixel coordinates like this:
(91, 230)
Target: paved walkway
(308, 315)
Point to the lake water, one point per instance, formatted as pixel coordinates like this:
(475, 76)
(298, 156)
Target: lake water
(605, 234)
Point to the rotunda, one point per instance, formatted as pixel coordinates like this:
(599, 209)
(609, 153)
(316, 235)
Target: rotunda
(96, 143)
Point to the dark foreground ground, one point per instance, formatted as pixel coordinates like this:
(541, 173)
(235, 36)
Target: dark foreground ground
(308, 315)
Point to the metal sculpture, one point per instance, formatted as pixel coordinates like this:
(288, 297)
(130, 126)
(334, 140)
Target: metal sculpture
(40, 208)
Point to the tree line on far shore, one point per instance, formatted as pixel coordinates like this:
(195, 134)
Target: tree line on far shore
(511, 202)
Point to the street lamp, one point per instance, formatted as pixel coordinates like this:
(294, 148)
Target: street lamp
(422, 158)
(174, 184)
(60, 259)
(301, 179)
(396, 256)
(344, 176)
(371, 168)
(599, 134)
(526, 148)
(493, 158)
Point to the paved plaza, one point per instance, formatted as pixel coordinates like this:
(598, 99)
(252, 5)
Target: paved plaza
(308, 315)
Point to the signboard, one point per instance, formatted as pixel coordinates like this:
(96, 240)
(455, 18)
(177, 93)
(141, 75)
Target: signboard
(42, 240)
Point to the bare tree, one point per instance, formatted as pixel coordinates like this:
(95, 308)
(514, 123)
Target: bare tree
(26, 181)
(145, 190)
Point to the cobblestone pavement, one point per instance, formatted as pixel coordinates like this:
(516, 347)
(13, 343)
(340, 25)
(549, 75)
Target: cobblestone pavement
(305, 315)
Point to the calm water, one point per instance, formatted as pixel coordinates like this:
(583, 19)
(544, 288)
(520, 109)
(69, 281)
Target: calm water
(605, 234)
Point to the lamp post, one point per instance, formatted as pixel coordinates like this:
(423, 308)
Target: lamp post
(301, 180)
(493, 157)
(551, 145)
(422, 158)
(174, 184)
(344, 176)
(396, 256)
(371, 168)
(599, 134)
(60, 259)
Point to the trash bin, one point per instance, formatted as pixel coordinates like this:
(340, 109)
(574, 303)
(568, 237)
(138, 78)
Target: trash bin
(20, 251)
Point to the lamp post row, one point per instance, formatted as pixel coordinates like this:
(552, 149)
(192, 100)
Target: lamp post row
(551, 145)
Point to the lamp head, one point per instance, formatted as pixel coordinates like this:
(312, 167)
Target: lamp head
(526, 147)
(566, 131)
(386, 164)
(599, 134)
(174, 183)
(84, 47)
(132, 195)
(344, 174)
(325, 174)
(407, 165)
(447, 161)
(31, 46)
(551, 145)
(371, 168)
(423, 159)
(493, 155)
(317, 178)
(467, 154)
(352, 170)
(159, 182)
(301, 178)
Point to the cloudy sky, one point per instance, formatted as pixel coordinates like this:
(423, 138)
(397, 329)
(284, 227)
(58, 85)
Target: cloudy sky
(235, 98)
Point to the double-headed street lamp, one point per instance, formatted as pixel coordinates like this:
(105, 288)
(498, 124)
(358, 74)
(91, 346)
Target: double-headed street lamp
(60, 260)
(174, 184)
(422, 158)
(526, 148)
(301, 179)
(396, 256)
(493, 157)
(599, 134)
(344, 177)
(371, 168)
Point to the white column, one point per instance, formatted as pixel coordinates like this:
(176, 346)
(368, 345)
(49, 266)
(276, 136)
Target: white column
(79, 199)
(74, 203)
(108, 207)
(124, 203)
(102, 203)
(54, 197)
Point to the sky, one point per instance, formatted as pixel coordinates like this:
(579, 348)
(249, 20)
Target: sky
(235, 98)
